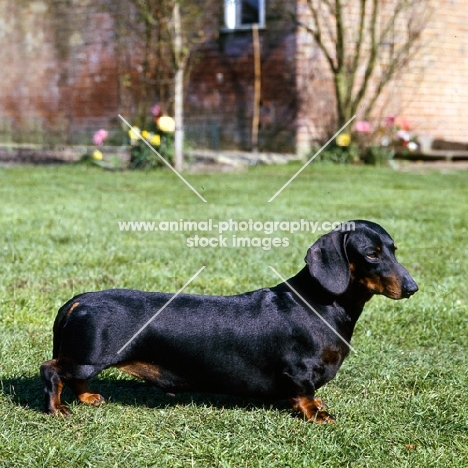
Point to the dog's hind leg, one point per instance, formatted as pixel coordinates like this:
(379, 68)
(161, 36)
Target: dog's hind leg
(55, 373)
(53, 386)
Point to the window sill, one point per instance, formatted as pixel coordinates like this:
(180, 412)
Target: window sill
(242, 28)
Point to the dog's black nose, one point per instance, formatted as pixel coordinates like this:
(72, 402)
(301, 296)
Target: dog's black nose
(409, 286)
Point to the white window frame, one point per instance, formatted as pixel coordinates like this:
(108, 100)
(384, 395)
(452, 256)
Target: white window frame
(233, 15)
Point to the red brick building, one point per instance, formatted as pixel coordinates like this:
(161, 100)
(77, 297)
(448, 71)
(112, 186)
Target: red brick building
(68, 69)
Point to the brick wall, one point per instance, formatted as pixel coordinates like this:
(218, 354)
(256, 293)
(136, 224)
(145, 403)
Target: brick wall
(59, 68)
(431, 92)
(72, 67)
(69, 68)
(221, 90)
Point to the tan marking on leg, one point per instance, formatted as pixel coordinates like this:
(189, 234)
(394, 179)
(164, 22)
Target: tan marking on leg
(83, 394)
(56, 403)
(54, 388)
(312, 409)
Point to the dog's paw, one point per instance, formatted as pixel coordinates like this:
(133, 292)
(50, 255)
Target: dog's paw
(312, 409)
(60, 410)
(93, 399)
(320, 405)
(322, 417)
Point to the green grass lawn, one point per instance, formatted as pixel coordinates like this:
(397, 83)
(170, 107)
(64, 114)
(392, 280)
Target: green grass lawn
(400, 401)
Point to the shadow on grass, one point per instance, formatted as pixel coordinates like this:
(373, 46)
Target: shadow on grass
(27, 393)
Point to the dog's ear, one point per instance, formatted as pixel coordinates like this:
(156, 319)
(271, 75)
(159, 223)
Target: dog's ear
(328, 262)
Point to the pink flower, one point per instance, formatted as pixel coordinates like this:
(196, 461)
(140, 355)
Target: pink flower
(362, 126)
(389, 121)
(100, 136)
(402, 123)
(156, 111)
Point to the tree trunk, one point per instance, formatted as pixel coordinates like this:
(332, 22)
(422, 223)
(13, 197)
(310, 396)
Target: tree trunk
(257, 88)
(341, 93)
(179, 119)
(178, 90)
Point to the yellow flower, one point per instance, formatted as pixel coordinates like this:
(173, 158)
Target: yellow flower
(145, 134)
(343, 139)
(134, 133)
(97, 155)
(155, 140)
(166, 124)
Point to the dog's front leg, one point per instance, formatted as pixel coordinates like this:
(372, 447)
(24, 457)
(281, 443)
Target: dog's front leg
(311, 407)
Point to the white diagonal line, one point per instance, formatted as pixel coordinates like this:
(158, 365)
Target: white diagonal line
(311, 308)
(163, 160)
(311, 159)
(161, 309)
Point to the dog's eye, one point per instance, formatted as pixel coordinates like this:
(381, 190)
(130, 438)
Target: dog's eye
(372, 255)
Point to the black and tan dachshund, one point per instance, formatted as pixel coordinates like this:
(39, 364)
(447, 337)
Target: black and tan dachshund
(278, 343)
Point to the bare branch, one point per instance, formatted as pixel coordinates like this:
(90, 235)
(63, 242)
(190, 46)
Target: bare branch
(374, 51)
(316, 33)
(357, 53)
(407, 52)
(403, 57)
(340, 43)
(329, 24)
(359, 43)
(399, 8)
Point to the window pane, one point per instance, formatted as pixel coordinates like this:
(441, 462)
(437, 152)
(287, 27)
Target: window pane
(230, 13)
(250, 13)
